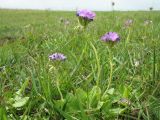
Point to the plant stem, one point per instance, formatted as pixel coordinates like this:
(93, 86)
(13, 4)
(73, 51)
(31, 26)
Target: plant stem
(111, 69)
(59, 90)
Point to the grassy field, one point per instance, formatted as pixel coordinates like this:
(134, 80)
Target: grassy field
(95, 82)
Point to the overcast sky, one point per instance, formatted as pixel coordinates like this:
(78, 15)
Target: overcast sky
(79, 4)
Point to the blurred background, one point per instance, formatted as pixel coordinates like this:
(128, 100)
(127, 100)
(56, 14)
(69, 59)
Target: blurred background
(71, 5)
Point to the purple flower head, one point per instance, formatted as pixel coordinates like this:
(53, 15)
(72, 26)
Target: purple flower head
(57, 56)
(110, 36)
(86, 14)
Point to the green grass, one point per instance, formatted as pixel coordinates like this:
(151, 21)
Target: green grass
(96, 82)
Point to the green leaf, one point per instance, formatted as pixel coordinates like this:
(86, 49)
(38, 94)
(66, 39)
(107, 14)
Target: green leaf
(82, 109)
(125, 91)
(117, 111)
(99, 105)
(20, 102)
(94, 96)
(25, 84)
(110, 91)
(82, 94)
(60, 103)
(72, 105)
(107, 93)
(3, 115)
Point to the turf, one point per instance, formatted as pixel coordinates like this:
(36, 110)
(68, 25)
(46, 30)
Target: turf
(95, 82)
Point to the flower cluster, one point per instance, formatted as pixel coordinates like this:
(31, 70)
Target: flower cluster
(86, 16)
(110, 36)
(57, 56)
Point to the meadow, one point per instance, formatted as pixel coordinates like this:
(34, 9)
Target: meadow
(95, 82)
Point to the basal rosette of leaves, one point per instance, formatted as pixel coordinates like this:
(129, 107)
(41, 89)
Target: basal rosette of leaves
(109, 104)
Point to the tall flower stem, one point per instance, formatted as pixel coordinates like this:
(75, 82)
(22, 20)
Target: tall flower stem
(59, 90)
(111, 68)
(98, 64)
(57, 82)
(128, 36)
(57, 79)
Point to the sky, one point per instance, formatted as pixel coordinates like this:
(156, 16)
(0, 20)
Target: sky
(98, 5)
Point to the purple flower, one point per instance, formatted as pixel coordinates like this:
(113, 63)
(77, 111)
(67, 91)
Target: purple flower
(57, 56)
(85, 17)
(86, 14)
(110, 36)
